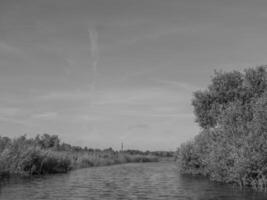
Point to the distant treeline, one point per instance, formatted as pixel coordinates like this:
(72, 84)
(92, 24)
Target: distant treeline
(168, 154)
(232, 146)
(46, 154)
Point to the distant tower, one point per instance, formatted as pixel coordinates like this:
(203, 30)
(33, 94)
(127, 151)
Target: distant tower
(122, 146)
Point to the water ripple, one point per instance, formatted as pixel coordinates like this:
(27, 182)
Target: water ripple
(155, 181)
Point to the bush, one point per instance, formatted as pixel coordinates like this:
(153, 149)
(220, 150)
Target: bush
(232, 147)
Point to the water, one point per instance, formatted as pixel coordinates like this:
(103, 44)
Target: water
(129, 181)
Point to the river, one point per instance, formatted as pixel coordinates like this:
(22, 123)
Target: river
(128, 181)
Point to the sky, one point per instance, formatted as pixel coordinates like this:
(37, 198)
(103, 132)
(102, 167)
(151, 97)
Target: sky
(102, 72)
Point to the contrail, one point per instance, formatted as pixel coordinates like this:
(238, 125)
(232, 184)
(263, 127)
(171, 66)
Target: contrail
(93, 38)
(93, 59)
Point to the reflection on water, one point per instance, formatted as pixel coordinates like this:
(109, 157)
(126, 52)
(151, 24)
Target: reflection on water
(128, 181)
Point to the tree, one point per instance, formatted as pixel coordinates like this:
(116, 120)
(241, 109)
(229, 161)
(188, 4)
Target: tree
(227, 88)
(232, 146)
(48, 141)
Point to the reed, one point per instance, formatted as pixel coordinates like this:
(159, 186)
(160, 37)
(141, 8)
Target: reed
(47, 155)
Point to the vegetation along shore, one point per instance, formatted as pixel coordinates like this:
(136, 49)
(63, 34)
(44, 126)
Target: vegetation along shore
(46, 154)
(232, 145)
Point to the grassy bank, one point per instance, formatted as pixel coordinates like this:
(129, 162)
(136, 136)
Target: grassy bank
(232, 146)
(47, 155)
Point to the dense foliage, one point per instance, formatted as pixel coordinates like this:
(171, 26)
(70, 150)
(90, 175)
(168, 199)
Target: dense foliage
(46, 155)
(232, 146)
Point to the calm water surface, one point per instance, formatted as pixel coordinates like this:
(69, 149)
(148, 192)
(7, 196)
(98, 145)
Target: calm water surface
(129, 181)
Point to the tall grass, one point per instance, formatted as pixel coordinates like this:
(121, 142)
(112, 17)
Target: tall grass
(47, 155)
(22, 156)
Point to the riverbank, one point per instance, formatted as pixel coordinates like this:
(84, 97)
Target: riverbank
(46, 154)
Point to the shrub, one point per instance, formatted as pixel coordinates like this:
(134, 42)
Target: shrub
(232, 147)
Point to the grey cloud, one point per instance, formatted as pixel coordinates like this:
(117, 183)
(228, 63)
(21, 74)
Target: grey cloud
(138, 126)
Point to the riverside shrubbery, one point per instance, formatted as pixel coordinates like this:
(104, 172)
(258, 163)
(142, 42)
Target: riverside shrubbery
(47, 155)
(232, 146)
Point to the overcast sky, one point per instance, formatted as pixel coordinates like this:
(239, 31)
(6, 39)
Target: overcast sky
(100, 72)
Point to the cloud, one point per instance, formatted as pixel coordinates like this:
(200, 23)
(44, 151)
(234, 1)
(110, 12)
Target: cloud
(73, 95)
(9, 48)
(149, 101)
(9, 111)
(178, 84)
(45, 116)
(138, 126)
(86, 118)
